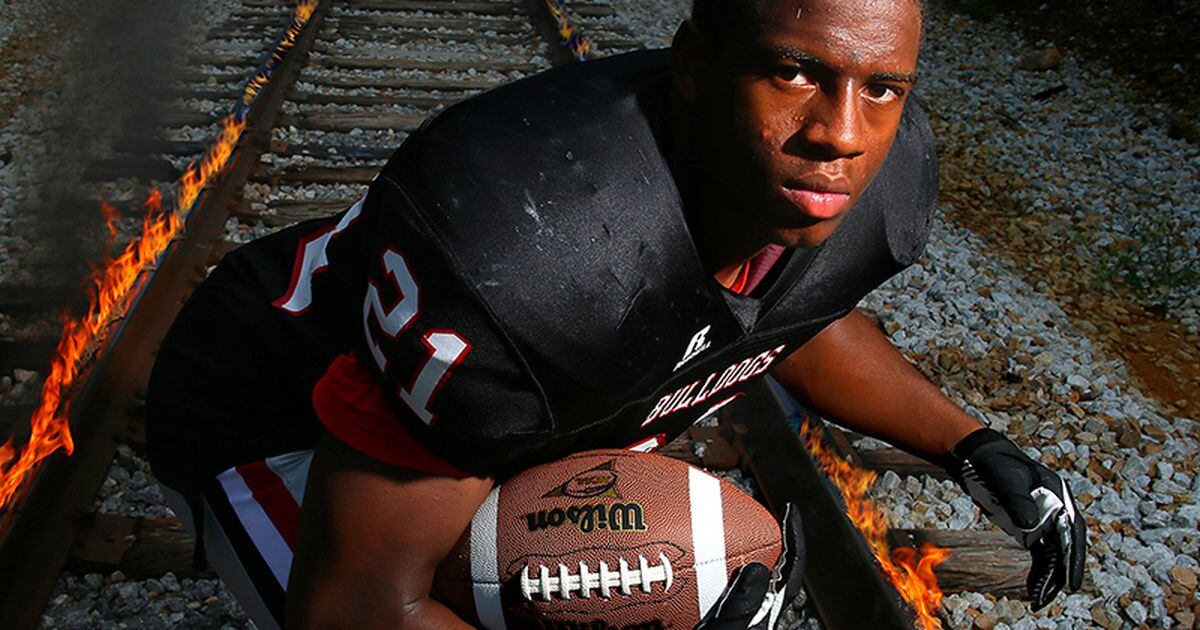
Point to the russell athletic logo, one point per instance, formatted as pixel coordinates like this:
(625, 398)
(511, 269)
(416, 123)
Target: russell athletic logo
(698, 344)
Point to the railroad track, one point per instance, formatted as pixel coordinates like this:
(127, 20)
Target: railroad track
(364, 73)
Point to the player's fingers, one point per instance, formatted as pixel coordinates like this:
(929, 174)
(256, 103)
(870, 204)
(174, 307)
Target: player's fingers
(1005, 495)
(741, 600)
(794, 551)
(1048, 573)
(1078, 537)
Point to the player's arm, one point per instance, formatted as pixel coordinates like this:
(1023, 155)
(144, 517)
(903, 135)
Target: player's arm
(371, 536)
(851, 373)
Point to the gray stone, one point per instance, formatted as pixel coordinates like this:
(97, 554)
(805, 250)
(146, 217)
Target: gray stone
(889, 482)
(1136, 612)
(1158, 610)
(1160, 518)
(1110, 503)
(1161, 569)
(1166, 486)
(169, 582)
(1187, 516)
(1162, 534)
(1112, 586)
(1077, 605)
(1081, 485)
(1140, 575)
(1135, 465)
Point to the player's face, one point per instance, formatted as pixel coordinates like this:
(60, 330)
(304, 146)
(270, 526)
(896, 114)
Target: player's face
(798, 114)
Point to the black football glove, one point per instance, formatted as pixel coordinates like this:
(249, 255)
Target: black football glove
(1031, 503)
(756, 593)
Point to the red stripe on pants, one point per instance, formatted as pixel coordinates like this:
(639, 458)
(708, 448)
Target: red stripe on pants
(270, 492)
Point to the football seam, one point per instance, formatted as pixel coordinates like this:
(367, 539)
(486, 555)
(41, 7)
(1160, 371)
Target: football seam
(739, 556)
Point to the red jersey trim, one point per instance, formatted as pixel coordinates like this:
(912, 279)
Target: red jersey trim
(755, 270)
(759, 266)
(350, 403)
(739, 283)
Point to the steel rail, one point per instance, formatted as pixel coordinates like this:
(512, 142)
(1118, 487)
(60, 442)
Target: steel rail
(841, 575)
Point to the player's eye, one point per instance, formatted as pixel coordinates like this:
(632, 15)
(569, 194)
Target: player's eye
(884, 94)
(794, 75)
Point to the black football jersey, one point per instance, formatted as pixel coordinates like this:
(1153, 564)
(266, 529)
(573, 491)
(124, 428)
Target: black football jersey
(521, 278)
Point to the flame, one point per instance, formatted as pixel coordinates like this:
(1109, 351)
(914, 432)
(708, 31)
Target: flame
(199, 173)
(109, 286)
(572, 37)
(915, 581)
(112, 285)
(300, 16)
(111, 215)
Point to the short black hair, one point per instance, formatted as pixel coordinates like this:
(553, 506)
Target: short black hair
(715, 18)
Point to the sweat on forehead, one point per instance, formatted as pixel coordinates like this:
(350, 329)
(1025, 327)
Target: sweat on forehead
(717, 17)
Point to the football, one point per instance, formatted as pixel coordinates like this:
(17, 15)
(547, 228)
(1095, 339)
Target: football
(604, 539)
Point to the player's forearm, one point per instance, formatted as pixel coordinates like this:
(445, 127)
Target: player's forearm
(853, 375)
(367, 554)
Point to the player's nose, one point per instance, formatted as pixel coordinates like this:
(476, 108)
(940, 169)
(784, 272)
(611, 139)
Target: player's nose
(832, 127)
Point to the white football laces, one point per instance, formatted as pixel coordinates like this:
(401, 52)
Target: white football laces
(565, 583)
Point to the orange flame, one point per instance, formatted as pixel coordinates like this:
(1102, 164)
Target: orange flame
(304, 10)
(915, 581)
(198, 174)
(111, 215)
(572, 37)
(111, 286)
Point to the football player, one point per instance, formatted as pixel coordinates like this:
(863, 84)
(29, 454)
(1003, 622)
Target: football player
(597, 256)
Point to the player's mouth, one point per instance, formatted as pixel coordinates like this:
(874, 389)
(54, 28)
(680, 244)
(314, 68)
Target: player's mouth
(819, 198)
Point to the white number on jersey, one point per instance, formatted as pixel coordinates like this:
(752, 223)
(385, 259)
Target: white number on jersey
(446, 348)
(392, 322)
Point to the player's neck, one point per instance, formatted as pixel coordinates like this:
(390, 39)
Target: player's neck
(724, 249)
(725, 243)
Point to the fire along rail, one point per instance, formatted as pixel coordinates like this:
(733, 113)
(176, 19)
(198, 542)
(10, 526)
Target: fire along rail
(47, 511)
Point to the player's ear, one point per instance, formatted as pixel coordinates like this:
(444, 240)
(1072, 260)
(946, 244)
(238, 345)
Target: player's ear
(687, 58)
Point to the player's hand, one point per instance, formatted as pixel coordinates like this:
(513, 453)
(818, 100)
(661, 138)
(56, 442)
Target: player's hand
(756, 593)
(1031, 503)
